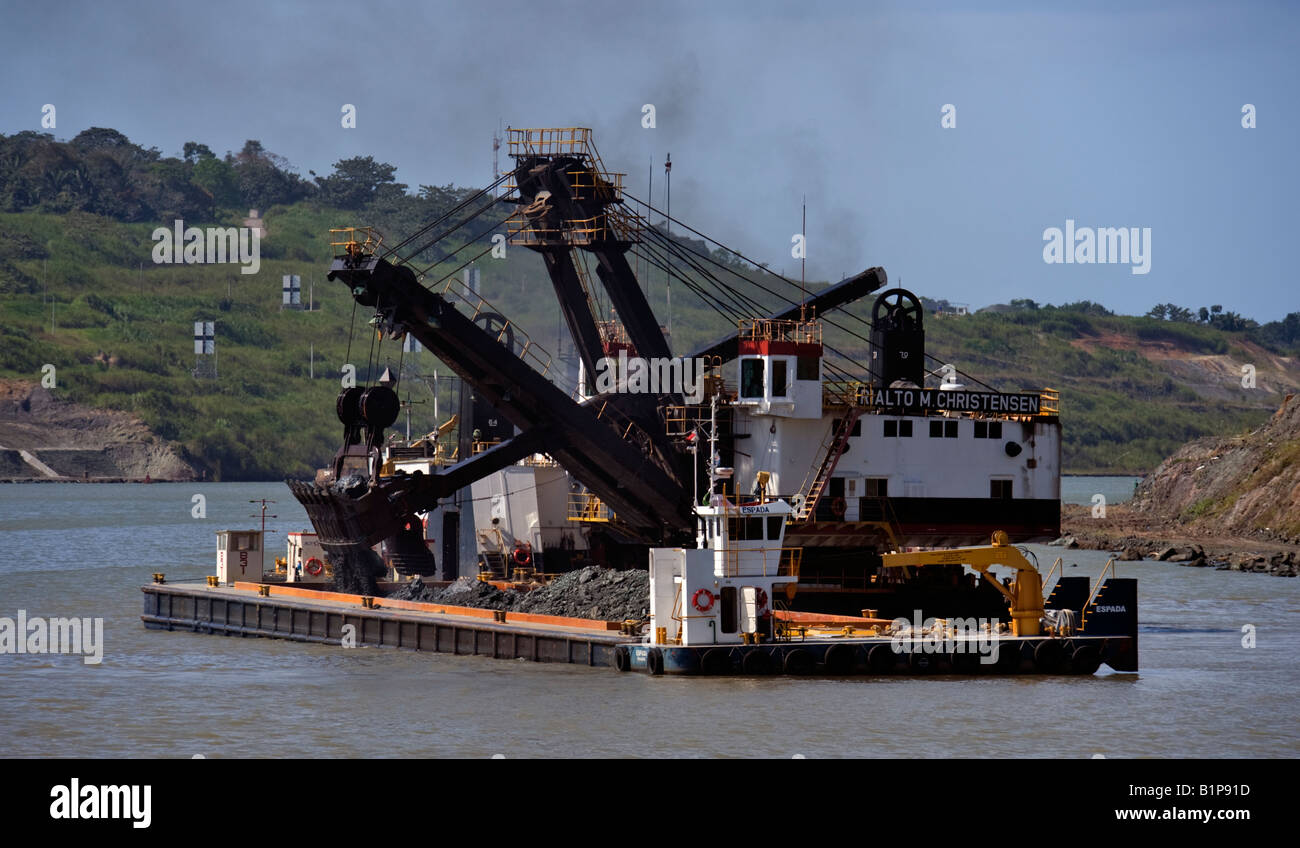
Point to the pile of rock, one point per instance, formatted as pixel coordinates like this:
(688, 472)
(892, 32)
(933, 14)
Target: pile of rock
(601, 594)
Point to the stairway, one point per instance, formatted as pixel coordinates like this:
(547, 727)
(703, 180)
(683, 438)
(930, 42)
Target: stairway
(832, 451)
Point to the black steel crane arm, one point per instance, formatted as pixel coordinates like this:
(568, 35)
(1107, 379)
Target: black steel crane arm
(644, 494)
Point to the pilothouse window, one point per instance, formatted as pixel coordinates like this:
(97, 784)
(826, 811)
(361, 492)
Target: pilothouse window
(778, 378)
(751, 378)
(774, 527)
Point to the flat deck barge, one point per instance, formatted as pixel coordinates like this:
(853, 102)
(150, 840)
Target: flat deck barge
(276, 611)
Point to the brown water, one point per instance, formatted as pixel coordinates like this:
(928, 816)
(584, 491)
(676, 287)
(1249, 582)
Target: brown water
(74, 550)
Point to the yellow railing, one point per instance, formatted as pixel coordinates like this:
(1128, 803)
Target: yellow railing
(845, 393)
(776, 330)
(357, 241)
(607, 226)
(762, 562)
(585, 506)
(525, 348)
(1048, 578)
(1050, 403)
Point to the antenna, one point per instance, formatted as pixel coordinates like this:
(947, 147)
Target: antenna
(496, 161)
(650, 194)
(668, 282)
(263, 502)
(803, 286)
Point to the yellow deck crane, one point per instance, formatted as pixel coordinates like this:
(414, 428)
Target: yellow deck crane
(1025, 593)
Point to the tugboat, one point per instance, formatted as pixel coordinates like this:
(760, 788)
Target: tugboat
(722, 608)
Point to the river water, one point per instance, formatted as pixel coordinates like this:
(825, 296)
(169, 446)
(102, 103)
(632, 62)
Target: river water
(85, 550)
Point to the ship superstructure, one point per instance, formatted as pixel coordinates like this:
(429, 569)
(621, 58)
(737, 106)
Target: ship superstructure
(873, 454)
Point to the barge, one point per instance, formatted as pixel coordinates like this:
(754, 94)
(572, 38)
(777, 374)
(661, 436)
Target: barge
(854, 462)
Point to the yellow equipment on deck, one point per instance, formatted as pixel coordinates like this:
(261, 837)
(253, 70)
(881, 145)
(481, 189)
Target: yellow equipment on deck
(1025, 594)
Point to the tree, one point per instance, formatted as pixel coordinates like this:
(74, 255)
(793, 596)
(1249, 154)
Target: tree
(194, 151)
(357, 182)
(1204, 315)
(218, 181)
(1023, 303)
(1159, 312)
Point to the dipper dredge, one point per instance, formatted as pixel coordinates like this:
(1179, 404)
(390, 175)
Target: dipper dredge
(869, 457)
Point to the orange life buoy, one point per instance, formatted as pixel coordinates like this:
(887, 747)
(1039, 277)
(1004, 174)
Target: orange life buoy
(522, 556)
(708, 599)
(838, 506)
(314, 567)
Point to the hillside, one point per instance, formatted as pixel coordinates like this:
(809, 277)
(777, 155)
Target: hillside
(1133, 389)
(1232, 502)
(1240, 485)
(45, 438)
(80, 291)
(119, 329)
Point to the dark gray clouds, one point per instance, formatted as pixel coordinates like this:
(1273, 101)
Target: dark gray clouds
(1112, 115)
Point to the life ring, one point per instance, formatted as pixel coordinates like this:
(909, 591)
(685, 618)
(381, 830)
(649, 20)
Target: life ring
(314, 567)
(760, 598)
(707, 603)
(522, 556)
(837, 507)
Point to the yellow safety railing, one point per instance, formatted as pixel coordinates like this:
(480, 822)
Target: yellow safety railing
(1048, 578)
(780, 330)
(1050, 403)
(525, 348)
(762, 562)
(585, 506)
(1110, 566)
(845, 393)
(356, 241)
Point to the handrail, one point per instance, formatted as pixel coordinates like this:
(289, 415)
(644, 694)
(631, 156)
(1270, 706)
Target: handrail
(1110, 566)
(1048, 578)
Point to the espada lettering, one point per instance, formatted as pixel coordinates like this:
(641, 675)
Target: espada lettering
(93, 801)
(1112, 608)
(1100, 245)
(183, 245)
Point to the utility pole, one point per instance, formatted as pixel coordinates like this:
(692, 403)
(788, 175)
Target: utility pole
(668, 282)
(263, 502)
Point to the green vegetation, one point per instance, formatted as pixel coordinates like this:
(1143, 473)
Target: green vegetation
(1120, 411)
(79, 290)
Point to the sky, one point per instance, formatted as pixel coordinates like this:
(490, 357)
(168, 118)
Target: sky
(1110, 115)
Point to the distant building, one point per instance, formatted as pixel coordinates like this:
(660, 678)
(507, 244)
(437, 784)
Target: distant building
(254, 222)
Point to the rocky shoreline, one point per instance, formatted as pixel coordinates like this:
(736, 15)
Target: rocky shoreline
(1131, 536)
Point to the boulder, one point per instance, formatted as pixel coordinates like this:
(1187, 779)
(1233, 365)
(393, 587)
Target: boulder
(1166, 555)
(1130, 554)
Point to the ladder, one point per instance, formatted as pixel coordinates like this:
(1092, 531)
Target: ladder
(839, 440)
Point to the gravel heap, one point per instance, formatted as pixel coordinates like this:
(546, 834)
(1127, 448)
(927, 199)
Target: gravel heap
(464, 592)
(601, 594)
